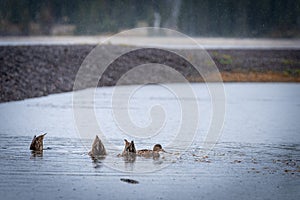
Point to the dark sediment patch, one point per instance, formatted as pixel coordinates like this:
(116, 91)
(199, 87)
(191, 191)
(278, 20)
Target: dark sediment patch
(131, 181)
(33, 71)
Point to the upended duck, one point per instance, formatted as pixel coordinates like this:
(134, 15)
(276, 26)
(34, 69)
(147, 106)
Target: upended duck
(37, 143)
(129, 148)
(98, 148)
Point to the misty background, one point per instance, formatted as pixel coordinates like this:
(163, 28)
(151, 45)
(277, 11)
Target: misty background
(212, 18)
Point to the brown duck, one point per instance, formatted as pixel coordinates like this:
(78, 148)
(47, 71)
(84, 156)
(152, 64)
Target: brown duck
(129, 148)
(37, 143)
(98, 148)
(148, 153)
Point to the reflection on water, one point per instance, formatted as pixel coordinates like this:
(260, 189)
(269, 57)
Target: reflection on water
(97, 161)
(36, 154)
(129, 158)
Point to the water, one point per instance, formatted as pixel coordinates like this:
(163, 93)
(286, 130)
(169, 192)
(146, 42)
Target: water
(158, 42)
(256, 157)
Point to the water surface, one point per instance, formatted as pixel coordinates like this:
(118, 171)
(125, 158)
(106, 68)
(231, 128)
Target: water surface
(256, 157)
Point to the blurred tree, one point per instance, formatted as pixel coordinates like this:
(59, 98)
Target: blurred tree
(226, 18)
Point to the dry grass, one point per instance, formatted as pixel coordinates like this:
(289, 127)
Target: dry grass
(249, 77)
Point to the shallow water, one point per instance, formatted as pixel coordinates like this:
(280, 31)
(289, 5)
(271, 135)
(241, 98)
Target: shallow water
(256, 157)
(159, 42)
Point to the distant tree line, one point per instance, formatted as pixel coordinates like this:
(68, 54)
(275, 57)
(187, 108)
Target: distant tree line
(222, 18)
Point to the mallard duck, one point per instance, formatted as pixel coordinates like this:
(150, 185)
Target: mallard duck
(37, 143)
(98, 148)
(148, 153)
(129, 148)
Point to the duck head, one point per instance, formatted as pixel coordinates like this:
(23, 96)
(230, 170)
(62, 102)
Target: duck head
(158, 148)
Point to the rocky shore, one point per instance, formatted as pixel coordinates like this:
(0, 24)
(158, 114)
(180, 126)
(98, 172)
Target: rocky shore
(39, 70)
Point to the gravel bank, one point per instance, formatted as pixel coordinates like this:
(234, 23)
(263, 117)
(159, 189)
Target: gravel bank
(33, 71)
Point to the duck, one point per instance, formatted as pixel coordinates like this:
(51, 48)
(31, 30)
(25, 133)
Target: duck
(98, 148)
(129, 148)
(151, 153)
(37, 143)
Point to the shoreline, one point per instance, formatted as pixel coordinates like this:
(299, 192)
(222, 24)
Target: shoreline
(40, 70)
